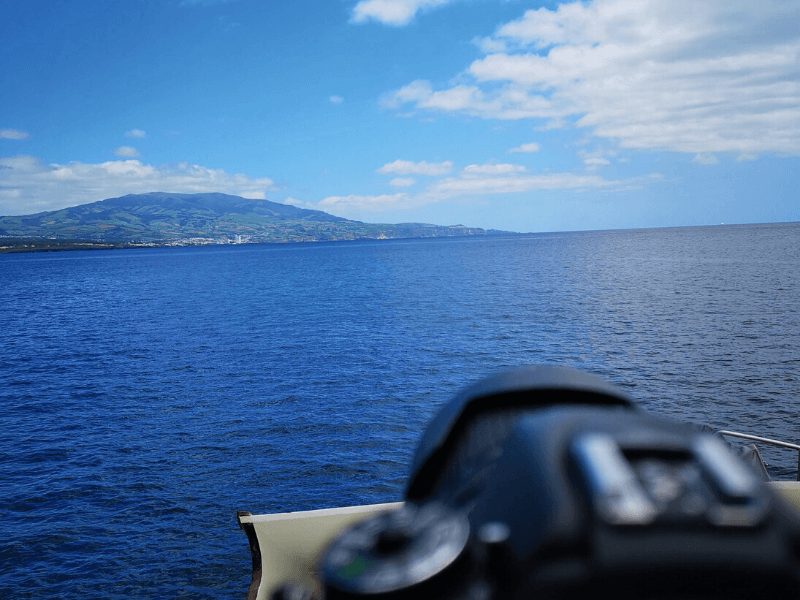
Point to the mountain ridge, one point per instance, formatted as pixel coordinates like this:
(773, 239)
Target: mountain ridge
(164, 219)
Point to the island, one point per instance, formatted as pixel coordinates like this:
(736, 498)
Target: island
(159, 219)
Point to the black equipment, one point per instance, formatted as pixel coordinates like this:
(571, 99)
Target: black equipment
(546, 482)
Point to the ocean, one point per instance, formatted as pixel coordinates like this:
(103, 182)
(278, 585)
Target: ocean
(148, 394)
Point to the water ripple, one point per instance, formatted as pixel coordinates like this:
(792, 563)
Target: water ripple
(145, 395)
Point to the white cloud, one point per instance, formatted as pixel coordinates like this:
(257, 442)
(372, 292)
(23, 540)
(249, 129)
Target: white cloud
(13, 134)
(686, 76)
(391, 12)
(28, 185)
(595, 159)
(292, 201)
(402, 182)
(705, 159)
(509, 103)
(406, 167)
(492, 169)
(528, 148)
(126, 152)
(413, 93)
(335, 99)
(515, 183)
(136, 133)
(490, 45)
(476, 181)
(366, 202)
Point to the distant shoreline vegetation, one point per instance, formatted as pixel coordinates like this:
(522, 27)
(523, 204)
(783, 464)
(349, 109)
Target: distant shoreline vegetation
(159, 220)
(12, 245)
(162, 219)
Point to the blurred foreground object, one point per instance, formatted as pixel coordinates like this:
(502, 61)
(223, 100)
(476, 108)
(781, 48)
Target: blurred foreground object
(546, 482)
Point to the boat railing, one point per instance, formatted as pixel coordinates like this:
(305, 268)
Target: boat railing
(763, 440)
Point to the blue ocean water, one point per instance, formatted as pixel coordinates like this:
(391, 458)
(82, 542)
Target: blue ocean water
(146, 395)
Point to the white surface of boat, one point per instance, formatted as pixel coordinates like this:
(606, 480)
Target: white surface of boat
(285, 547)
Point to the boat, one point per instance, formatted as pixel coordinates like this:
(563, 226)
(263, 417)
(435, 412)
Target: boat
(630, 488)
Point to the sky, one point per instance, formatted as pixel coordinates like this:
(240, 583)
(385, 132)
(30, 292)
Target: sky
(507, 114)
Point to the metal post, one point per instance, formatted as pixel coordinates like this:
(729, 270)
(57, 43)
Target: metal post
(763, 440)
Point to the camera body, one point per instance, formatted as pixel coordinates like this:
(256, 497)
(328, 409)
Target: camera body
(546, 482)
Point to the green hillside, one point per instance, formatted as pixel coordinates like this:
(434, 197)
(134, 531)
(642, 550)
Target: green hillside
(183, 219)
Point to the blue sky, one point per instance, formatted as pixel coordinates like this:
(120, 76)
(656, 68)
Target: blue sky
(527, 116)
